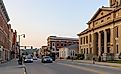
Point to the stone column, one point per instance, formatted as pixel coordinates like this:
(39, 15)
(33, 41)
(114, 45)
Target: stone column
(80, 44)
(99, 43)
(111, 41)
(105, 46)
(94, 43)
(105, 41)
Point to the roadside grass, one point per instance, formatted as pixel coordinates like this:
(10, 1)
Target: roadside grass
(115, 61)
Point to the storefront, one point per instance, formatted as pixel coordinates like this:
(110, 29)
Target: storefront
(1, 53)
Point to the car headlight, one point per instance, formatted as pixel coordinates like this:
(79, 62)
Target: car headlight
(51, 59)
(45, 59)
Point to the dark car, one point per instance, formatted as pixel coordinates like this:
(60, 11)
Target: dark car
(46, 59)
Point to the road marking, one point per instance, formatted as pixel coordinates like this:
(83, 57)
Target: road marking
(82, 68)
(24, 68)
(24, 72)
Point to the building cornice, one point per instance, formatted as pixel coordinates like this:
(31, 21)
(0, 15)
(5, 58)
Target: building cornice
(101, 25)
(3, 9)
(103, 8)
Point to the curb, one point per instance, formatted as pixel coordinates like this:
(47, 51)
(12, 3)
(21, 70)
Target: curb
(101, 63)
(23, 67)
(25, 71)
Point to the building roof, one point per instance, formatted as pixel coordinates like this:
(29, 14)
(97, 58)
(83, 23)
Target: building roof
(75, 46)
(62, 38)
(100, 9)
(109, 9)
(83, 32)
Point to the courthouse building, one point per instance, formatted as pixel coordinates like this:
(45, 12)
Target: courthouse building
(102, 38)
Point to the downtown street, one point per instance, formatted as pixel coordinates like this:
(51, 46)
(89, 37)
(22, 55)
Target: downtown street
(69, 67)
(56, 31)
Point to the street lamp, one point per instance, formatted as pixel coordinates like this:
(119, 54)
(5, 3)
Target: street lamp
(23, 35)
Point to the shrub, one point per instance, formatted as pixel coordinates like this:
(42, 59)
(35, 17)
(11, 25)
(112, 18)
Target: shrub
(120, 56)
(80, 56)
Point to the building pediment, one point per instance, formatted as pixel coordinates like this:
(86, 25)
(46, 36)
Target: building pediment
(101, 12)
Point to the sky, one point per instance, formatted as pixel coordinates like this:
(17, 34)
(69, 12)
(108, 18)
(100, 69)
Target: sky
(39, 19)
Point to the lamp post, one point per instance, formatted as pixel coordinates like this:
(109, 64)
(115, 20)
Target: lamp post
(23, 35)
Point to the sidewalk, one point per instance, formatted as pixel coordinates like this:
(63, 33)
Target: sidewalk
(98, 63)
(12, 67)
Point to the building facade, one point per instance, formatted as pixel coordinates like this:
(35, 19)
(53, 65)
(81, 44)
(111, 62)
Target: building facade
(6, 34)
(44, 51)
(69, 52)
(102, 38)
(55, 43)
(14, 50)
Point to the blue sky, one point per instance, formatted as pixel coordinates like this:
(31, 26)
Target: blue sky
(39, 19)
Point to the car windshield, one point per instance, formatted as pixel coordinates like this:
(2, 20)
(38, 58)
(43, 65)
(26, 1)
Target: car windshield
(46, 57)
(29, 57)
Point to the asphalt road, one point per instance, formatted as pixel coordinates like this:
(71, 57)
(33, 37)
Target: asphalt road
(53, 68)
(69, 67)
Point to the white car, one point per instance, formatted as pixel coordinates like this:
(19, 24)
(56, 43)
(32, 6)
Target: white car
(28, 60)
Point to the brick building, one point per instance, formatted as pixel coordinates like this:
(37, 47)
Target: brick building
(55, 43)
(44, 50)
(6, 34)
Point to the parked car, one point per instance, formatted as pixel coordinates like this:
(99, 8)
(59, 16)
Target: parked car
(46, 59)
(28, 60)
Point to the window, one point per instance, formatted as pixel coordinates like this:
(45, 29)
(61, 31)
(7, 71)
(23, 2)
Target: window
(86, 39)
(117, 49)
(108, 18)
(57, 44)
(117, 32)
(61, 44)
(102, 13)
(90, 50)
(81, 41)
(71, 53)
(81, 50)
(90, 37)
(108, 49)
(57, 49)
(74, 53)
(84, 50)
(87, 50)
(96, 23)
(53, 44)
(102, 21)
